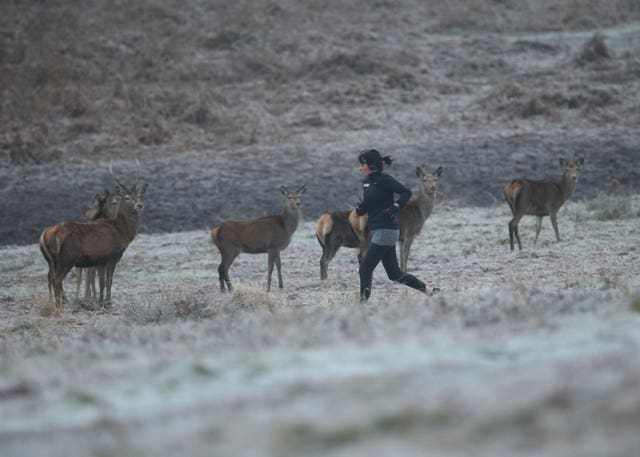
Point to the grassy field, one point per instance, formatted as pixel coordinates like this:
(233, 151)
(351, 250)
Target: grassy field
(531, 352)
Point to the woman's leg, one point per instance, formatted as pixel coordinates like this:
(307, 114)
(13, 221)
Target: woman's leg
(390, 263)
(369, 263)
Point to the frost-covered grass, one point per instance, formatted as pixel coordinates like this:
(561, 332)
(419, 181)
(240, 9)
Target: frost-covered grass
(531, 352)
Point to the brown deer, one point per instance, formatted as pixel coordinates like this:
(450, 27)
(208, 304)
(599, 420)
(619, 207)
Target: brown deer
(334, 230)
(540, 198)
(99, 208)
(270, 234)
(412, 216)
(346, 228)
(98, 243)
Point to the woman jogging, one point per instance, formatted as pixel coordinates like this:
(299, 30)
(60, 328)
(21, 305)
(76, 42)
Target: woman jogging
(379, 191)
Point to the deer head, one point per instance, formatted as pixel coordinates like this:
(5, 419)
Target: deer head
(293, 199)
(428, 181)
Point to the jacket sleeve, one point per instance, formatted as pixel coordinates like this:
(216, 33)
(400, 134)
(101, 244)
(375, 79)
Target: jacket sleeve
(398, 188)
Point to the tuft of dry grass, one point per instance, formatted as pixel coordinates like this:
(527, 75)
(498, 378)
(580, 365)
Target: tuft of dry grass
(593, 50)
(169, 306)
(244, 297)
(608, 207)
(45, 307)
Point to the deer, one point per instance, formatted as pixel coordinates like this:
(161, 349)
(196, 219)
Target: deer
(100, 207)
(540, 198)
(346, 228)
(334, 230)
(412, 216)
(270, 234)
(99, 243)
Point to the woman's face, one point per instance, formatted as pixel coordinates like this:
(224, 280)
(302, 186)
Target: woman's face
(365, 170)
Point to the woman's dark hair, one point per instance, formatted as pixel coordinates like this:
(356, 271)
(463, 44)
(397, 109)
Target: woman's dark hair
(374, 160)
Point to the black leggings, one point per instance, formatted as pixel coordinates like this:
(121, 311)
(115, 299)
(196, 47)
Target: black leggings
(387, 254)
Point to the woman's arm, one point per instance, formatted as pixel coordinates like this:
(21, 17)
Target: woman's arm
(400, 189)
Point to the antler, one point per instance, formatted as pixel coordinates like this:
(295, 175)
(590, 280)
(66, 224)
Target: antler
(137, 173)
(116, 179)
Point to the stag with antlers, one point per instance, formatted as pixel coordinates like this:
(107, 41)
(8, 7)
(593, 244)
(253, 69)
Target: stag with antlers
(99, 243)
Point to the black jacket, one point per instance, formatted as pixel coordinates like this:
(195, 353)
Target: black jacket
(379, 190)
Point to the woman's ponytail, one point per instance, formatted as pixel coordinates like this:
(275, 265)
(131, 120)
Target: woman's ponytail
(374, 160)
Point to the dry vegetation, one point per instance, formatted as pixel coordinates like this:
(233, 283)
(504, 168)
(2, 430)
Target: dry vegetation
(529, 353)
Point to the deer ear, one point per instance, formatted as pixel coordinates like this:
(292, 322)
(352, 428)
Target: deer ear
(284, 190)
(562, 162)
(580, 161)
(438, 172)
(419, 172)
(302, 189)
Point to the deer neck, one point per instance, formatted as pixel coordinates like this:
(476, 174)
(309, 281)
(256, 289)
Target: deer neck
(567, 187)
(424, 202)
(290, 217)
(128, 224)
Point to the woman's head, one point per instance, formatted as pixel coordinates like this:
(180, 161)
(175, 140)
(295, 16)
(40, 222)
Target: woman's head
(374, 160)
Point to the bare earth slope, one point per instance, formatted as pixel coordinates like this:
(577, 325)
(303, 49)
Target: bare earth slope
(221, 102)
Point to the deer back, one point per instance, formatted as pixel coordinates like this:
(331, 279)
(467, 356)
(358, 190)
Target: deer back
(540, 197)
(337, 224)
(93, 243)
(270, 233)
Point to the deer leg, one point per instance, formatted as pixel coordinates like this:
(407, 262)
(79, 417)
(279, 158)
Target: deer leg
(270, 261)
(90, 289)
(538, 228)
(405, 248)
(362, 250)
(101, 282)
(328, 253)
(58, 290)
(554, 221)
(111, 268)
(50, 277)
(279, 267)
(223, 270)
(79, 281)
(513, 232)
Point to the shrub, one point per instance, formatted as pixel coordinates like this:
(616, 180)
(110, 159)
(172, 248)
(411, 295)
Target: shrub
(611, 207)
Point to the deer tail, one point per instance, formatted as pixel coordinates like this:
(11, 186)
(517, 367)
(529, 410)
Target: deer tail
(214, 235)
(511, 194)
(324, 225)
(50, 244)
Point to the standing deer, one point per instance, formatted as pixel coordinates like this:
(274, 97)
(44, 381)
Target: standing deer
(346, 228)
(99, 208)
(98, 243)
(412, 216)
(540, 198)
(270, 234)
(334, 230)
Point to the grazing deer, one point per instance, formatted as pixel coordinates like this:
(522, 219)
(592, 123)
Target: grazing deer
(270, 234)
(333, 232)
(98, 243)
(540, 198)
(99, 208)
